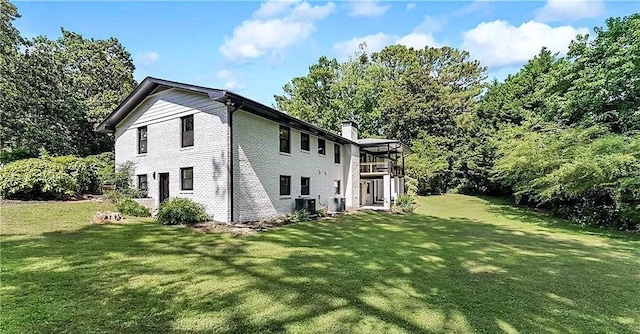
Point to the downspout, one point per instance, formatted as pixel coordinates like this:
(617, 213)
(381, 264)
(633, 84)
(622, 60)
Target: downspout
(230, 164)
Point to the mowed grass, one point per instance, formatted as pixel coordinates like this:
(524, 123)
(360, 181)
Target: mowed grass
(461, 264)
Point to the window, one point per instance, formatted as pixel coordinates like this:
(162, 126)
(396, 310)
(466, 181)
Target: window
(285, 136)
(186, 178)
(142, 182)
(321, 146)
(336, 153)
(285, 185)
(305, 186)
(304, 141)
(187, 131)
(368, 188)
(142, 140)
(336, 187)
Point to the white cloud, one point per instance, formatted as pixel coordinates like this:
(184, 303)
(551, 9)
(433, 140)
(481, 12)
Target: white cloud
(499, 43)
(374, 43)
(416, 40)
(411, 6)
(234, 86)
(560, 10)
(367, 8)
(225, 74)
(145, 58)
(277, 28)
(231, 78)
(378, 41)
(273, 8)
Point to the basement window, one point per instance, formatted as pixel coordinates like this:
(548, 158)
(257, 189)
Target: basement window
(186, 178)
(305, 186)
(285, 185)
(142, 183)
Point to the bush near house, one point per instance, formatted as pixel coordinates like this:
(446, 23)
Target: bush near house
(130, 207)
(177, 210)
(404, 203)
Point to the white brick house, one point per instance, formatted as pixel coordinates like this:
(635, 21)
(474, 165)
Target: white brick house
(242, 160)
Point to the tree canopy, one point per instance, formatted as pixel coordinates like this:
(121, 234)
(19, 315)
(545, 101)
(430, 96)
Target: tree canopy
(53, 92)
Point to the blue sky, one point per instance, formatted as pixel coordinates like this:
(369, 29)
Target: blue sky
(254, 48)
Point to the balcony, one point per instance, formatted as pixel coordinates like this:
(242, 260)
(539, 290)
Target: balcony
(379, 168)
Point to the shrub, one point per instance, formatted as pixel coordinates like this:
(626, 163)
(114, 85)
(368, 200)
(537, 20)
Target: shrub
(130, 207)
(55, 177)
(404, 203)
(300, 216)
(36, 179)
(177, 210)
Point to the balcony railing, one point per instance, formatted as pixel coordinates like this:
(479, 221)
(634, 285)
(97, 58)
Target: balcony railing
(379, 168)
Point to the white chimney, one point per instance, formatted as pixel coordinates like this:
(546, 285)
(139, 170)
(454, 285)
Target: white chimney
(350, 130)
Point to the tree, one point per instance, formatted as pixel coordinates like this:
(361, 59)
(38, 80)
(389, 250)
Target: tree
(600, 85)
(52, 93)
(426, 90)
(521, 96)
(333, 92)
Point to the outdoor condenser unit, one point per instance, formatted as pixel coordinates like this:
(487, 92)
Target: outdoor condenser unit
(336, 204)
(308, 204)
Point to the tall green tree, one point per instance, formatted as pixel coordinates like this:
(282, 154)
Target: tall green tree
(53, 92)
(333, 92)
(600, 84)
(426, 90)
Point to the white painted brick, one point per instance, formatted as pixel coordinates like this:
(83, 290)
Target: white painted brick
(259, 164)
(209, 156)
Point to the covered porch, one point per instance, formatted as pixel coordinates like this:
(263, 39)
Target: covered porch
(382, 164)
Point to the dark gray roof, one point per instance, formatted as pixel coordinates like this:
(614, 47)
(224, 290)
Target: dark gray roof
(150, 84)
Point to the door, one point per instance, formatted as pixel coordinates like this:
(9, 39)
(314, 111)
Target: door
(164, 186)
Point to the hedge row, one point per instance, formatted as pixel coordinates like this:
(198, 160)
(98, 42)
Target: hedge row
(57, 177)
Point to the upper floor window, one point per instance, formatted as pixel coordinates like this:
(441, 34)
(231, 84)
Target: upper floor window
(304, 141)
(187, 131)
(142, 139)
(336, 153)
(305, 186)
(285, 185)
(186, 178)
(285, 139)
(322, 146)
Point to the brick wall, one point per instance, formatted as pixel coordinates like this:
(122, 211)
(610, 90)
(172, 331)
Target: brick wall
(161, 114)
(258, 165)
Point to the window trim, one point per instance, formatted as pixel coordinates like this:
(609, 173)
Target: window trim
(146, 182)
(302, 178)
(288, 139)
(336, 153)
(183, 131)
(304, 134)
(324, 146)
(288, 177)
(140, 140)
(182, 178)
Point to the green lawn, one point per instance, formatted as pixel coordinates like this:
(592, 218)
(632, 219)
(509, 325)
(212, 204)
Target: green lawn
(461, 264)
